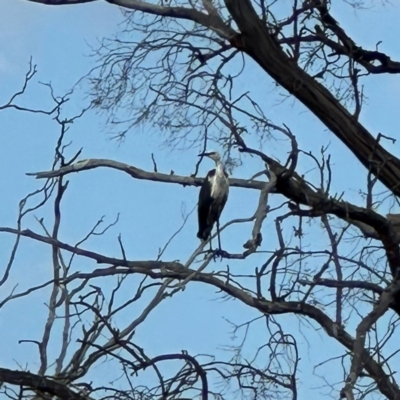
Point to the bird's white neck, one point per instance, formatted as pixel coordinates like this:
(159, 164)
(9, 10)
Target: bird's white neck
(220, 170)
(220, 167)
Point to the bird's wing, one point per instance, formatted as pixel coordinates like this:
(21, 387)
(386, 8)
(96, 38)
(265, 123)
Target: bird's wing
(216, 208)
(204, 205)
(224, 199)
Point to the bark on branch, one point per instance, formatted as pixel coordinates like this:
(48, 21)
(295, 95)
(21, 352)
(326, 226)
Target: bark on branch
(350, 49)
(259, 44)
(138, 173)
(39, 383)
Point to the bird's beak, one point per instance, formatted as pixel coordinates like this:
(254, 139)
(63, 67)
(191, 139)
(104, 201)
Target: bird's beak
(203, 155)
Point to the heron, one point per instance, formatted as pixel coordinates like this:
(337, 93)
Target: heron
(212, 198)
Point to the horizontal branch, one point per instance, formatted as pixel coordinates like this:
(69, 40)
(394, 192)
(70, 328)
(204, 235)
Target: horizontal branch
(295, 188)
(138, 173)
(62, 2)
(213, 22)
(330, 283)
(39, 383)
(256, 41)
(90, 254)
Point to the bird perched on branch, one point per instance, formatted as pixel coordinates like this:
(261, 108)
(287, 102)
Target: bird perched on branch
(212, 198)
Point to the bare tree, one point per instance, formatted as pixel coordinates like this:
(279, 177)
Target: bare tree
(177, 66)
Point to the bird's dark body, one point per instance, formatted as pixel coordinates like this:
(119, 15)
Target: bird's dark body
(209, 208)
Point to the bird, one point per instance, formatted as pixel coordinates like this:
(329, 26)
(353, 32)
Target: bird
(212, 198)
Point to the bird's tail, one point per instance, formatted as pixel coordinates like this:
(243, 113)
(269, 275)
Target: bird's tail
(204, 232)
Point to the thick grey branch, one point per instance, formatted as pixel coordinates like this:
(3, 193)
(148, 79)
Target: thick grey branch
(295, 189)
(256, 41)
(90, 254)
(138, 173)
(39, 383)
(261, 213)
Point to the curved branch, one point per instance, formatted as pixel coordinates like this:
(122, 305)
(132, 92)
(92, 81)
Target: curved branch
(186, 357)
(362, 329)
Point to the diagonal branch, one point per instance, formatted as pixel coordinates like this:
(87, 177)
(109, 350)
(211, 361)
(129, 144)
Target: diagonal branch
(349, 47)
(188, 358)
(256, 41)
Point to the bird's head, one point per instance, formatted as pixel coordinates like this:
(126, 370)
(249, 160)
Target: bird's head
(214, 155)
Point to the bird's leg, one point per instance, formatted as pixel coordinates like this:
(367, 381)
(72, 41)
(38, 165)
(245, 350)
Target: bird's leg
(219, 237)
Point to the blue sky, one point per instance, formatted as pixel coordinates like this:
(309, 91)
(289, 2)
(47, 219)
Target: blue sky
(195, 320)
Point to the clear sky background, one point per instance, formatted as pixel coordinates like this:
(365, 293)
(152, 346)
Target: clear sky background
(195, 320)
